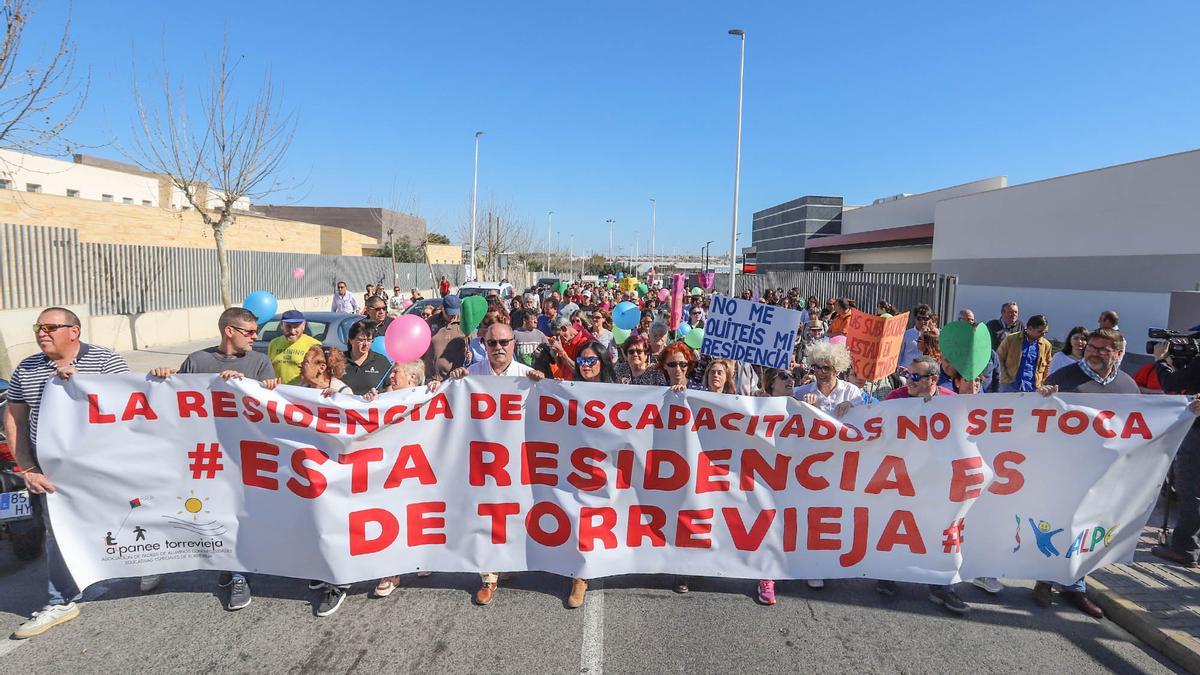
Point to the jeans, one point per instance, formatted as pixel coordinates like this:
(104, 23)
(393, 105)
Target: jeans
(1011, 388)
(61, 586)
(1185, 538)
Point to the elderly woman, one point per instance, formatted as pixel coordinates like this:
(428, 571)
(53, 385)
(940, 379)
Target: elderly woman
(636, 369)
(656, 340)
(828, 392)
(403, 376)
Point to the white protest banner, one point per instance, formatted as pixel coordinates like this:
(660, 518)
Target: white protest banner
(754, 332)
(591, 480)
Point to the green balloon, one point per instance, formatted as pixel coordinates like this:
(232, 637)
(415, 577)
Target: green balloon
(968, 348)
(620, 334)
(643, 289)
(473, 310)
(694, 338)
(561, 287)
(696, 291)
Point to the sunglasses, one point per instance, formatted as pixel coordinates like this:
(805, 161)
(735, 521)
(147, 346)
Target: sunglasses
(785, 377)
(246, 332)
(913, 377)
(378, 309)
(587, 361)
(820, 369)
(49, 327)
(676, 364)
(498, 343)
(637, 350)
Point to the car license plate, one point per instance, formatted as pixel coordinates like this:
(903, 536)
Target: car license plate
(15, 505)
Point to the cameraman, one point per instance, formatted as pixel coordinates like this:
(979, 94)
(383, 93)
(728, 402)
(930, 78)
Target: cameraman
(1184, 546)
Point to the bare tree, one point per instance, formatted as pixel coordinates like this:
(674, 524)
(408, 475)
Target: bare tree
(233, 149)
(498, 230)
(39, 97)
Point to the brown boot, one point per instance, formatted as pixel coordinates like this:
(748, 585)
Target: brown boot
(485, 594)
(1084, 603)
(578, 589)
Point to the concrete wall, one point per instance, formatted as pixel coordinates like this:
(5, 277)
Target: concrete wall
(1121, 238)
(912, 210)
(909, 259)
(445, 254)
(121, 224)
(372, 223)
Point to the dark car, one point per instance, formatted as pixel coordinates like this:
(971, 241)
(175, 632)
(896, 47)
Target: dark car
(332, 329)
(419, 306)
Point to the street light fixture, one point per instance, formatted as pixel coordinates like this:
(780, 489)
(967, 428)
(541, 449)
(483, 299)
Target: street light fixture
(737, 163)
(610, 222)
(653, 223)
(474, 195)
(549, 226)
(705, 250)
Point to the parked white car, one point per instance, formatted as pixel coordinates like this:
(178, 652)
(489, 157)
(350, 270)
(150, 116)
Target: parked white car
(486, 288)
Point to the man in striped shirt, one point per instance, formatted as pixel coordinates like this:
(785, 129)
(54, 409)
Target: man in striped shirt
(57, 332)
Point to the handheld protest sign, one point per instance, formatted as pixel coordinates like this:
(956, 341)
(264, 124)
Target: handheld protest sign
(874, 343)
(473, 310)
(753, 332)
(968, 348)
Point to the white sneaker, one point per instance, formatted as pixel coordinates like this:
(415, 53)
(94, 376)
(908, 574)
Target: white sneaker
(49, 617)
(990, 584)
(149, 582)
(816, 584)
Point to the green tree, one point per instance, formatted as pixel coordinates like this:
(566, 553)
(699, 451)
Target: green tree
(402, 250)
(437, 238)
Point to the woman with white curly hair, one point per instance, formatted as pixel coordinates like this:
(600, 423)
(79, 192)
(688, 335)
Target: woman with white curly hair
(833, 395)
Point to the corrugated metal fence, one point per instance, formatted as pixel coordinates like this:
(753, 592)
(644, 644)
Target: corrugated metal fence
(42, 266)
(903, 289)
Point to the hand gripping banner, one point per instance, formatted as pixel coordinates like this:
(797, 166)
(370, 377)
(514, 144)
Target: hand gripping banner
(592, 480)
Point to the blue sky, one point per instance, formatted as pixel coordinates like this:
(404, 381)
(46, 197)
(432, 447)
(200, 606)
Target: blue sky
(591, 109)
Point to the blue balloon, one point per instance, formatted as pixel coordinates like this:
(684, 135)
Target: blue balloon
(378, 345)
(262, 304)
(626, 315)
(683, 328)
(620, 275)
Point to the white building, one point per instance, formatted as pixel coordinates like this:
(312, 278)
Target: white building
(1121, 237)
(92, 178)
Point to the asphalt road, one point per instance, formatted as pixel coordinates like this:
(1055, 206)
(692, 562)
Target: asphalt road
(632, 624)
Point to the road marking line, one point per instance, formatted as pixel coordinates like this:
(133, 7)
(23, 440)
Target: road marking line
(591, 653)
(10, 645)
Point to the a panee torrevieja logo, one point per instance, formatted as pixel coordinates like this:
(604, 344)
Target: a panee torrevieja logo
(1085, 541)
(190, 527)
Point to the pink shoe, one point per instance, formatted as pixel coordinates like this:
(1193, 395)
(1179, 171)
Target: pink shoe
(766, 591)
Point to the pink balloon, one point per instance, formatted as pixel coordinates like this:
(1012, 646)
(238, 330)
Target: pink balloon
(407, 338)
(837, 340)
(663, 294)
(406, 304)
(298, 273)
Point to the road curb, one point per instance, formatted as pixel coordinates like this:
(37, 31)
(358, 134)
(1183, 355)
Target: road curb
(1176, 645)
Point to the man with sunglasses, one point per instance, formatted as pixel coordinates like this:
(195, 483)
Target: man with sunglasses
(377, 311)
(500, 344)
(234, 357)
(910, 348)
(922, 375)
(62, 354)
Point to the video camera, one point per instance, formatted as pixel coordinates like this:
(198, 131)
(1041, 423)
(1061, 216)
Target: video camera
(1183, 346)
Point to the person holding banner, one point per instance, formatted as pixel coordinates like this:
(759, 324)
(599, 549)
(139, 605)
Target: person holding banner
(500, 348)
(1098, 372)
(676, 363)
(636, 368)
(828, 392)
(922, 375)
(366, 368)
(288, 350)
(62, 354)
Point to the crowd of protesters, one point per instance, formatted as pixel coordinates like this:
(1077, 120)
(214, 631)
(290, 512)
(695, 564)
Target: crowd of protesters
(567, 333)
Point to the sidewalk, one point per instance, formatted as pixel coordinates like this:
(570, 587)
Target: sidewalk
(1156, 601)
(166, 356)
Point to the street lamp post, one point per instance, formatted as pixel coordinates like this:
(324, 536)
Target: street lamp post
(737, 163)
(549, 226)
(705, 250)
(610, 239)
(392, 251)
(474, 196)
(571, 255)
(653, 224)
